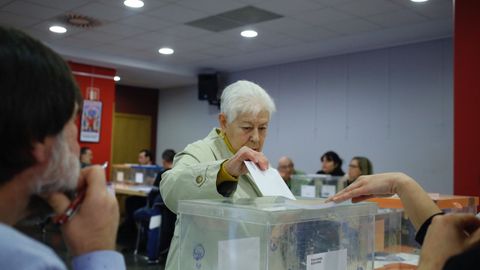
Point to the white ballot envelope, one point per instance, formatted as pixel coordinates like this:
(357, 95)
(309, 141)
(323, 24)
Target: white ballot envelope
(269, 182)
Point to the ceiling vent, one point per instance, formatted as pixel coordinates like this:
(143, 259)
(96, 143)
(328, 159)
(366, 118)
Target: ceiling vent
(80, 21)
(234, 18)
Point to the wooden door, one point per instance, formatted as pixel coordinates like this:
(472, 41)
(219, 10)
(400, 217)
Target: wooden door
(131, 133)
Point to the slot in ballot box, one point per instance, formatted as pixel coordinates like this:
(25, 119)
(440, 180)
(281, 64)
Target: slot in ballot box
(275, 233)
(316, 185)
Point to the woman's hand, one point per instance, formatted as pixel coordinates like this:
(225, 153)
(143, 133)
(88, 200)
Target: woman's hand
(368, 186)
(235, 166)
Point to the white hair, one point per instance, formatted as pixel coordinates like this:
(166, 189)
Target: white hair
(245, 97)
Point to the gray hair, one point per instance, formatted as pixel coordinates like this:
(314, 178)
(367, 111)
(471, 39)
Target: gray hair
(245, 97)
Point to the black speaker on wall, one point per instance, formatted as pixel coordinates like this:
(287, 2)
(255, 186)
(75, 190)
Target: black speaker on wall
(208, 87)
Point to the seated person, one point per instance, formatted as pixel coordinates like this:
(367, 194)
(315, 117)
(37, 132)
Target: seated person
(132, 203)
(331, 164)
(286, 168)
(40, 161)
(358, 166)
(158, 240)
(86, 156)
(145, 157)
(450, 242)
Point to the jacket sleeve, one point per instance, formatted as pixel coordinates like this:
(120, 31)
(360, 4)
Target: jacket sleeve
(193, 176)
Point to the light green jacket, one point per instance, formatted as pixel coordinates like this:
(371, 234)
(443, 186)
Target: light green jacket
(194, 176)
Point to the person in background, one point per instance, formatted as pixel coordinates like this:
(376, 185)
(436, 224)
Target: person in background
(358, 166)
(214, 168)
(40, 161)
(158, 239)
(167, 164)
(286, 168)
(86, 156)
(145, 157)
(331, 164)
(449, 242)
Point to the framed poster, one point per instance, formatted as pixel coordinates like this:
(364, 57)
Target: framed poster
(91, 119)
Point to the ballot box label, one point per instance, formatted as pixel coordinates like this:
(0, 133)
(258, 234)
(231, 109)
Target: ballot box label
(328, 260)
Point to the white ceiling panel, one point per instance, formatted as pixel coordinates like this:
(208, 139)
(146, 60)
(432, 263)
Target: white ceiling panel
(130, 38)
(176, 13)
(323, 16)
(15, 20)
(368, 7)
(289, 7)
(30, 10)
(313, 34)
(284, 25)
(104, 12)
(351, 27)
(220, 51)
(436, 10)
(211, 7)
(148, 4)
(97, 36)
(64, 5)
(397, 18)
(146, 22)
(120, 29)
(332, 3)
(184, 31)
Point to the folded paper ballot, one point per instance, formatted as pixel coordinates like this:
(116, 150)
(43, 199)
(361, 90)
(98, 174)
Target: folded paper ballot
(269, 182)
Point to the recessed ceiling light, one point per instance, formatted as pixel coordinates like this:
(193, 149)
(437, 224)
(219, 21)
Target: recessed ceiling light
(58, 29)
(133, 3)
(166, 50)
(116, 78)
(249, 33)
(419, 1)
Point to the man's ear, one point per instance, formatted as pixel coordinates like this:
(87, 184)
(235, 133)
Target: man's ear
(222, 120)
(41, 150)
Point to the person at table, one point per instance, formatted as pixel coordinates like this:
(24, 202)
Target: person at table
(449, 242)
(358, 166)
(331, 164)
(213, 167)
(286, 169)
(86, 156)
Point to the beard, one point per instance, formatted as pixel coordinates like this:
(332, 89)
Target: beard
(63, 170)
(61, 175)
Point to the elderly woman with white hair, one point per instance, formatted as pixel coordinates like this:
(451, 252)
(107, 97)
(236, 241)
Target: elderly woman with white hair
(213, 167)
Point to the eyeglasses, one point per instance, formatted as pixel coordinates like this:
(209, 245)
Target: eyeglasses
(352, 166)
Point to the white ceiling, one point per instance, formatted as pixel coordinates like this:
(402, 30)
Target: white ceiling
(128, 39)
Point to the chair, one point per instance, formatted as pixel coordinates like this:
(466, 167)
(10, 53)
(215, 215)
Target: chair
(157, 222)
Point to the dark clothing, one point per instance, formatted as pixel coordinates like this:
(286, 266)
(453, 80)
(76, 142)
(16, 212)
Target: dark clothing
(337, 172)
(158, 239)
(469, 259)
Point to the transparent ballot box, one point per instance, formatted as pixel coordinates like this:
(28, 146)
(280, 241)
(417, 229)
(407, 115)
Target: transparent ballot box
(315, 185)
(275, 233)
(395, 245)
(135, 174)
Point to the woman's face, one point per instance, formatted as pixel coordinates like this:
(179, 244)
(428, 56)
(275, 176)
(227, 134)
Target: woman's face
(354, 170)
(327, 165)
(246, 130)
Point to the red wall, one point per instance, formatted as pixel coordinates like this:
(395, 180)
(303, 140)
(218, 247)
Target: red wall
(103, 149)
(467, 98)
(137, 100)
